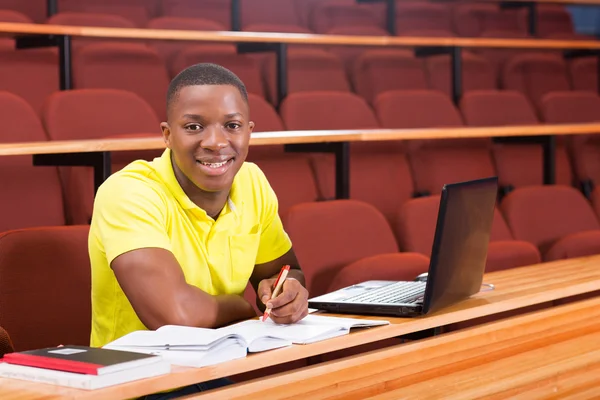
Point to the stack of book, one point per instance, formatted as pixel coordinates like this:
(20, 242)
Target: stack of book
(82, 367)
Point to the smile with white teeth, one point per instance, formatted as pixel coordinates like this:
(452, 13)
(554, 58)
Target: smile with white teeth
(214, 165)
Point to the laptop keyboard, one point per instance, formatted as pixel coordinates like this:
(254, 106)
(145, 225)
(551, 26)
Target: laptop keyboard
(397, 293)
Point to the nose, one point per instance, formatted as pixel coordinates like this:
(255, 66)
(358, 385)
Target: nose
(214, 139)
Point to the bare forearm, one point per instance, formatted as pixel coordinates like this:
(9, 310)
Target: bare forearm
(193, 307)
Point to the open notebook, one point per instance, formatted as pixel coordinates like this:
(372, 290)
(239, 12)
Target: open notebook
(197, 347)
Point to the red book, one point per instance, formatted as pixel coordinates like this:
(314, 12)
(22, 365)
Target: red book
(81, 359)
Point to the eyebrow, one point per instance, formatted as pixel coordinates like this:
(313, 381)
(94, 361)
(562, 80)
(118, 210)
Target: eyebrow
(235, 114)
(193, 116)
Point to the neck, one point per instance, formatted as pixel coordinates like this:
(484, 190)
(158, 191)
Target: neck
(211, 202)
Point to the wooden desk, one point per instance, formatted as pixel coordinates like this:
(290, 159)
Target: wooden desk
(516, 288)
(554, 353)
(96, 153)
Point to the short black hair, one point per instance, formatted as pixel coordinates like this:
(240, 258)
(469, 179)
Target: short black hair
(204, 74)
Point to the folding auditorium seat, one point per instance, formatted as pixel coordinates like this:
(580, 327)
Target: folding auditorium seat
(475, 19)
(552, 21)
(309, 70)
(289, 174)
(330, 235)
(326, 15)
(281, 14)
(31, 196)
(126, 66)
(94, 114)
(517, 164)
(137, 11)
(6, 345)
(477, 73)
(555, 218)
(45, 286)
(214, 10)
(35, 10)
(572, 108)
(244, 66)
(583, 73)
(348, 54)
(385, 160)
(535, 75)
(7, 44)
(31, 74)
(497, 57)
(434, 162)
(423, 19)
(416, 225)
(377, 71)
(169, 48)
(73, 18)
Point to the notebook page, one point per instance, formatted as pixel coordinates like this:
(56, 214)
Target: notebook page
(297, 333)
(226, 350)
(346, 323)
(172, 335)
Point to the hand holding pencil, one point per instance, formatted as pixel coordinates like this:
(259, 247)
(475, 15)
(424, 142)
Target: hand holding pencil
(286, 299)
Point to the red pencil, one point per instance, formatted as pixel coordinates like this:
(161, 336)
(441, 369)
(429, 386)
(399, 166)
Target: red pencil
(278, 285)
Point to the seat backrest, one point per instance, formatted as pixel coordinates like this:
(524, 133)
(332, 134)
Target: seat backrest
(420, 109)
(535, 75)
(571, 107)
(136, 11)
(497, 108)
(472, 20)
(584, 74)
(310, 70)
(281, 12)
(23, 185)
(128, 66)
(33, 9)
(97, 113)
(45, 286)
(326, 110)
(215, 10)
(553, 19)
(326, 15)
(169, 48)
(30, 74)
(477, 73)
(420, 16)
(265, 119)
(377, 71)
(330, 235)
(543, 214)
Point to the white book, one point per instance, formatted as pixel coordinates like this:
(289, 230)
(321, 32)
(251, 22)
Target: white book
(197, 347)
(83, 381)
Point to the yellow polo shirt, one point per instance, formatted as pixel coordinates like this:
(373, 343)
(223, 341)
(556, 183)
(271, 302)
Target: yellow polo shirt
(144, 206)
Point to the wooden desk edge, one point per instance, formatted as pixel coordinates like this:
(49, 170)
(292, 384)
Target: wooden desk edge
(291, 38)
(302, 137)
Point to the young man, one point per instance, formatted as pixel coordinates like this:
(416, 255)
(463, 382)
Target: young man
(176, 240)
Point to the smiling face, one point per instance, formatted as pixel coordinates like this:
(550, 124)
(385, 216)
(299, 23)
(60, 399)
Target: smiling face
(208, 132)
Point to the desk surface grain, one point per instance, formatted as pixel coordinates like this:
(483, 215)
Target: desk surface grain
(553, 353)
(515, 288)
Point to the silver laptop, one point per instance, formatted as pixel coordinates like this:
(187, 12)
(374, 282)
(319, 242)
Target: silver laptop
(456, 266)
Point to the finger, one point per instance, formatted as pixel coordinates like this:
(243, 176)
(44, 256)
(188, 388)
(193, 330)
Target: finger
(288, 309)
(287, 296)
(290, 319)
(265, 290)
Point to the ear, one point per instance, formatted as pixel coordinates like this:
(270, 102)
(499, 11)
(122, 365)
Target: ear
(166, 133)
(250, 126)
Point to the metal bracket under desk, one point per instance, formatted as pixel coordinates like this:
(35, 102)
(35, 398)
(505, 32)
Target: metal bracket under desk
(99, 160)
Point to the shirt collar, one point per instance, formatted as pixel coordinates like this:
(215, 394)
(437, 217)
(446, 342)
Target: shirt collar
(164, 169)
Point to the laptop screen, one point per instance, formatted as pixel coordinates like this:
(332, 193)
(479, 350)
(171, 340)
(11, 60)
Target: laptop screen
(460, 243)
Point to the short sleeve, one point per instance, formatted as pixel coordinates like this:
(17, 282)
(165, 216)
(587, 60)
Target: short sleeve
(274, 240)
(130, 214)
